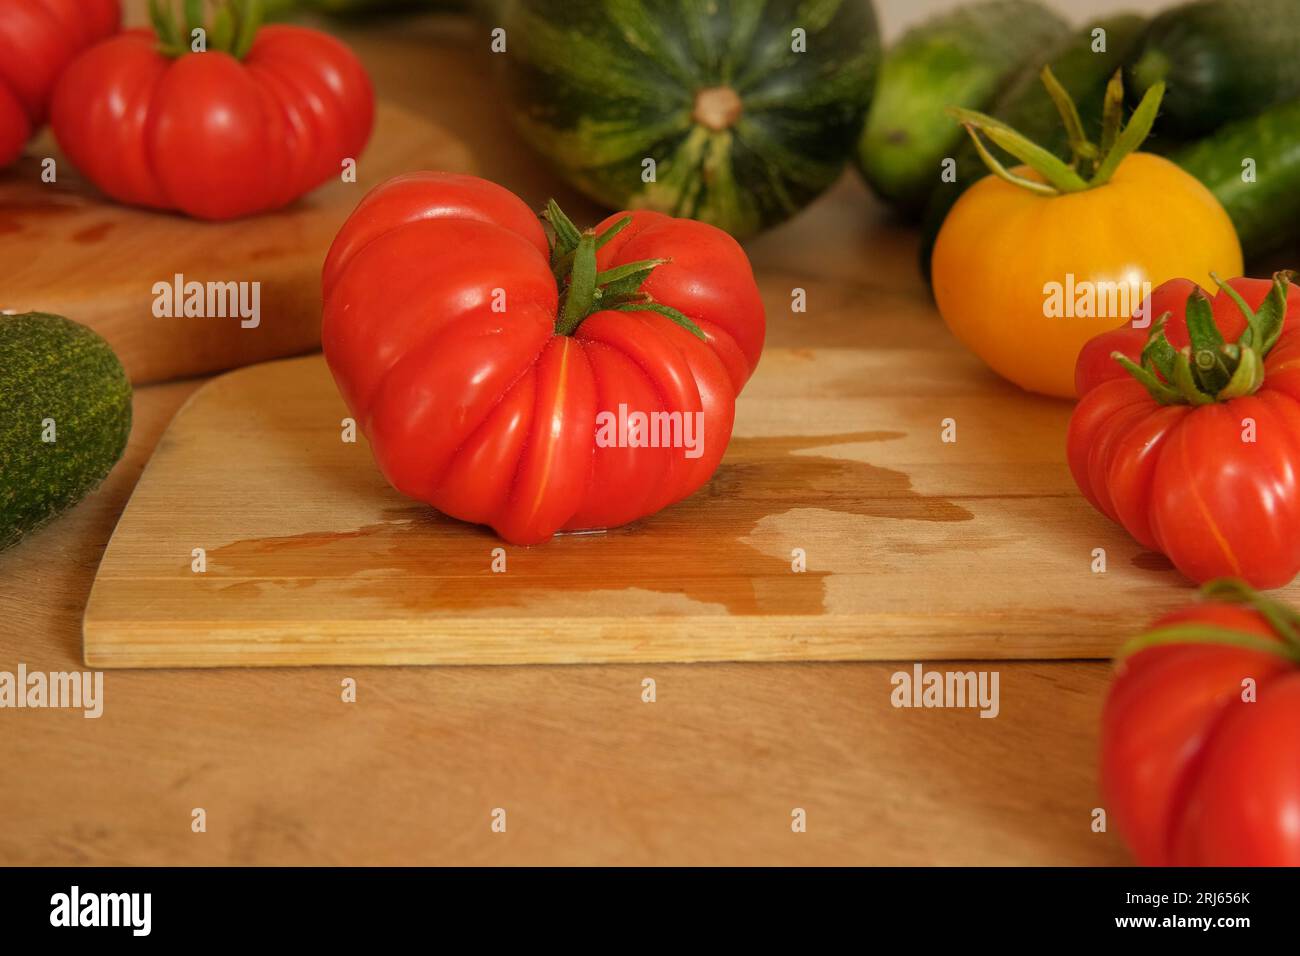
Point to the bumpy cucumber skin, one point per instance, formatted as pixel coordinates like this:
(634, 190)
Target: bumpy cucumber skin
(1025, 106)
(53, 368)
(963, 58)
(1266, 213)
(600, 86)
(1222, 60)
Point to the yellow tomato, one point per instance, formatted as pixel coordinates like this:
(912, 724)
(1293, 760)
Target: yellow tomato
(1025, 279)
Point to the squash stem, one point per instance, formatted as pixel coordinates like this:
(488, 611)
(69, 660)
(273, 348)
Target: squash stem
(717, 108)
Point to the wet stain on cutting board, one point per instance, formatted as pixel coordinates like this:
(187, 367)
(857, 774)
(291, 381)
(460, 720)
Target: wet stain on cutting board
(700, 548)
(19, 215)
(93, 234)
(1151, 561)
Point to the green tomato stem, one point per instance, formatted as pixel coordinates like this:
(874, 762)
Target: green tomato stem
(1112, 113)
(584, 290)
(1118, 141)
(1202, 634)
(1211, 370)
(580, 296)
(1284, 621)
(233, 29)
(1081, 148)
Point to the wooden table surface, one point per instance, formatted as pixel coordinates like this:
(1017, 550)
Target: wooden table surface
(287, 773)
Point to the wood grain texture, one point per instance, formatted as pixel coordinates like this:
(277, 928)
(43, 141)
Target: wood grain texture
(68, 250)
(915, 548)
(588, 773)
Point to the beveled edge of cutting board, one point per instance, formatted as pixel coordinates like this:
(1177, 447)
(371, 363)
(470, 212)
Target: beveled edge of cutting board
(222, 380)
(157, 350)
(505, 641)
(1004, 634)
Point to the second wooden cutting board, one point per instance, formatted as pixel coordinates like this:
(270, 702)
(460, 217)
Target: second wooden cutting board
(914, 548)
(66, 249)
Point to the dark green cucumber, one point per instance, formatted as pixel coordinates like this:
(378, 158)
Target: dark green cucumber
(963, 58)
(1026, 106)
(748, 109)
(59, 381)
(1222, 60)
(1266, 212)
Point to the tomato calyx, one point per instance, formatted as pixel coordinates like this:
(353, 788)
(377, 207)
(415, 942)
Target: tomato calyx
(1091, 164)
(234, 25)
(1210, 370)
(1284, 621)
(584, 289)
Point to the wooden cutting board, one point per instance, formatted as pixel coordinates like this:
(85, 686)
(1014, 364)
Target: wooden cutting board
(915, 548)
(66, 249)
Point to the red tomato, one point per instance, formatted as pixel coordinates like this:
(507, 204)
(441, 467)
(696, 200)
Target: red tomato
(210, 134)
(1192, 772)
(38, 38)
(1215, 485)
(443, 329)
(1096, 363)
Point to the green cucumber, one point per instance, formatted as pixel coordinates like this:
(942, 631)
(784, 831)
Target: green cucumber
(963, 58)
(735, 112)
(1266, 212)
(1026, 106)
(1222, 60)
(65, 415)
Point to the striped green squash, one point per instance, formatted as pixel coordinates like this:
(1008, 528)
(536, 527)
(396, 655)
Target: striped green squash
(748, 108)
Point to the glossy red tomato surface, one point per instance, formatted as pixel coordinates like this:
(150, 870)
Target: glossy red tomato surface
(1096, 363)
(1215, 487)
(1200, 758)
(440, 327)
(209, 134)
(38, 39)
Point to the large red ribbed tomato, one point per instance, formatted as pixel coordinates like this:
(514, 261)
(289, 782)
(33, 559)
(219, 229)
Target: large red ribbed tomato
(1195, 447)
(38, 39)
(259, 117)
(1200, 758)
(484, 362)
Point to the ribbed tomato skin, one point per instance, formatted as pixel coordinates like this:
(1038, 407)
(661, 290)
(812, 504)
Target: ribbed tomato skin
(208, 135)
(38, 39)
(1200, 764)
(1215, 488)
(439, 328)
